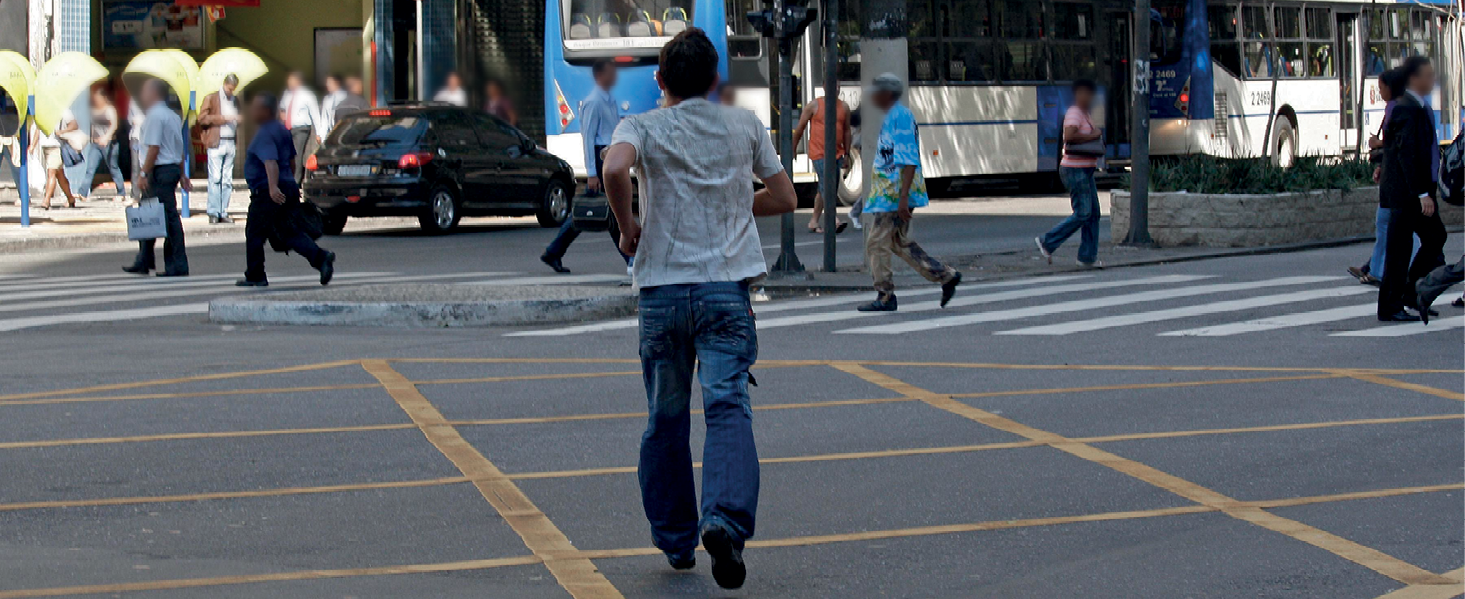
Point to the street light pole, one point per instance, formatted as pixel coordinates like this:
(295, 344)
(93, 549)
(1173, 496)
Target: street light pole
(788, 262)
(1139, 156)
(829, 179)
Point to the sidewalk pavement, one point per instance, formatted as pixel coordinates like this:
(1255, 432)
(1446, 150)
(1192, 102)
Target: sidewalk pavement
(99, 220)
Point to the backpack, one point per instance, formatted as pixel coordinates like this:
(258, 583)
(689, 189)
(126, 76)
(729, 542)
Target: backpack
(1452, 172)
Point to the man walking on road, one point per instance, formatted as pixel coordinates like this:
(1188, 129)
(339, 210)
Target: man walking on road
(897, 189)
(598, 119)
(160, 173)
(813, 118)
(301, 113)
(1411, 163)
(696, 252)
(219, 117)
(273, 196)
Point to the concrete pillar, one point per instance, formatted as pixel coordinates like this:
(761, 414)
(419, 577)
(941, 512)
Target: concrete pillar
(883, 49)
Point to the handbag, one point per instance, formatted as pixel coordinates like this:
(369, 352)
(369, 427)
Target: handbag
(77, 139)
(591, 213)
(146, 220)
(1092, 148)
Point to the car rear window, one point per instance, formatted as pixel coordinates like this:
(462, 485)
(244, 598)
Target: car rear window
(383, 131)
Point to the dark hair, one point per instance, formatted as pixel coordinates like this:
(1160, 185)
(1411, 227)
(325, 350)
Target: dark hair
(1395, 81)
(270, 102)
(600, 66)
(1087, 84)
(1412, 65)
(688, 64)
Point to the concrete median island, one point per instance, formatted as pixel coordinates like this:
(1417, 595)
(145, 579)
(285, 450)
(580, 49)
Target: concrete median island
(427, 305)
(1252, 220)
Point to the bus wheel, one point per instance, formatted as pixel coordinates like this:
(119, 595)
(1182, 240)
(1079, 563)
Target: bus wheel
(852, 185)
(1284, 144)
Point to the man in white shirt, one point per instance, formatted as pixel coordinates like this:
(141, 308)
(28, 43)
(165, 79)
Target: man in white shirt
(452, 91)
(598, 119)
(300, 112)
(696, 252)
(160, 173)
(335, 94)
(218, 116)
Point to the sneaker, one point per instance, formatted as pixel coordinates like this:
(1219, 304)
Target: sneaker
(727, 557)
(327, 268)
(1096, 265)
(682, 560)
(855, 222)
(948, 289)
(881, 304)
(1047, 255)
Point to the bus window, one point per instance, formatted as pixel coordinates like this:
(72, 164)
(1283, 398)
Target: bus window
(1254, 23)
(1319, 42)
(1073, 22)
(617, 26)
(1293, 59)
(1291, 50)
(923, 61)
(742, 40)
(1073, 55)
(968, 44)
(1319, 24)
(1259, 60)
(970, 19)
(1289, 22)
(1419, 32)
(1020, 56)
(969, 61)
(1166, 19)
(1224, 48)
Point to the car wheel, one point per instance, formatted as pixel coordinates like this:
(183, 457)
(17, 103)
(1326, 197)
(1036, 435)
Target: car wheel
(442, 211)
(555, 207)
(333, 224)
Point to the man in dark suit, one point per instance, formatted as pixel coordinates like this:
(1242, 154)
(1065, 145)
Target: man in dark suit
(1407, 185)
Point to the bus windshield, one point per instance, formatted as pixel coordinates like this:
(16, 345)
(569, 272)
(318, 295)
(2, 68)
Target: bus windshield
(602, 28)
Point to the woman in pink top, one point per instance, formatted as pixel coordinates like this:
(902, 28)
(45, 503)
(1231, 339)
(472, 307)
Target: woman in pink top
(1077, 172)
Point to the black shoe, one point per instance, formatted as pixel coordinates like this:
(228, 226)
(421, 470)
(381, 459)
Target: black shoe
(137, 270)
(727, 557)
(249, 283)
(225, 220)
(173, 274)
(881, 304)
(685, 560)
(327, 268)
(554, 263)
(948, 289)
(1400, 316)
(213, 220)
(1358, 272)
(1459, 302)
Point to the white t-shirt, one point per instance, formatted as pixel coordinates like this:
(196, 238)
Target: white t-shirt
(227, 108)
(456, 97)
(697, 196)
(163, 128)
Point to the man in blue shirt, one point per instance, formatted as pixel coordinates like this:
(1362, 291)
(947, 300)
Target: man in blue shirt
(598, 119)
(896, 190)
(274, 198)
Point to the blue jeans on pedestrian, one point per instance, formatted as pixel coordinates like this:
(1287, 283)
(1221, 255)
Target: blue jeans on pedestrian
(1083, 194)
(97, 157)
(221, 177)
(1380, 241)
(708, 326)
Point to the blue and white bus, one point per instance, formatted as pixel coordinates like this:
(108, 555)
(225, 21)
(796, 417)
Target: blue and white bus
(577, 33)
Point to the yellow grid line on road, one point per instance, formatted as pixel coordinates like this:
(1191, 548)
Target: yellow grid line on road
(1448, 590)
(1397, 384)
(188, 394)
(1368, 557)
(175, 381)
(577, 575)
(1137, 386)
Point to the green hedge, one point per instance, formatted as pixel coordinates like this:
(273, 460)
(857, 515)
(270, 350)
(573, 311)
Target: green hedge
(1208, 174)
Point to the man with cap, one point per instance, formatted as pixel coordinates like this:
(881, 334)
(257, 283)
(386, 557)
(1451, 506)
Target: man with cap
(896, 190)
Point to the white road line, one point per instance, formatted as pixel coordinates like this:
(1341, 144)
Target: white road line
(216, 289)
(26, 279)
(1278, 322)
(964, 298)
(1079, 305)
(1124, 320)
(552, 280)
(147, 284)
(1407, 329)
(15, 324)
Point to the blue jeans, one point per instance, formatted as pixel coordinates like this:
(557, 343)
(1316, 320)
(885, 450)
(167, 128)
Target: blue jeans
(569, 233)
(1083, 194)
(221, 177)
(96, 157)
(709, 326)
(1380, 241)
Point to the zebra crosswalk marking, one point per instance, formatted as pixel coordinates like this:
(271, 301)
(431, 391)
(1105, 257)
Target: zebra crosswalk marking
(143, 284)
(15, 324)
(1407, 329)
(1123, 320)
(1271, 323)
(1082, 305)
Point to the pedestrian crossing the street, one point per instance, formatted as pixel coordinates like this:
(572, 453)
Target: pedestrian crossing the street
(1171, 306)
(31, 301)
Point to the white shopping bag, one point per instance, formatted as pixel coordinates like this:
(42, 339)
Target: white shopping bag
(145, 220)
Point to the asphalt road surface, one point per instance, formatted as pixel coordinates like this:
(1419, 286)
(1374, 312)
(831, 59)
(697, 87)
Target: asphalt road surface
(1237, 427)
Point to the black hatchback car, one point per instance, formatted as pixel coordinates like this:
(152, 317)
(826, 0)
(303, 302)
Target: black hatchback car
(438, 163)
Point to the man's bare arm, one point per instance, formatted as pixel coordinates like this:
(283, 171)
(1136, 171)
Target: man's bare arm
(804, 118)
(776, 197)
(616, 177)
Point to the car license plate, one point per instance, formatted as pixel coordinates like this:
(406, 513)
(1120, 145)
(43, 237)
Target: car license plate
(356, 170)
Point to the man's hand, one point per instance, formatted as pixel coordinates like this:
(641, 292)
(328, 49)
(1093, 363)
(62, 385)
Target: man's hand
(1426, 206)
(903, 210)
(593, 184)
(143, 183)
(630, 237)
(1378, 172)
(277, 195)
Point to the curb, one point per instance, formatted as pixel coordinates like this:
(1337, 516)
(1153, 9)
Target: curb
(573, 305)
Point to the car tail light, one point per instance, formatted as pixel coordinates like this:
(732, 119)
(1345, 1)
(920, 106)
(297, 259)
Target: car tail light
(311, 163)
(414, 160)
(380, 113)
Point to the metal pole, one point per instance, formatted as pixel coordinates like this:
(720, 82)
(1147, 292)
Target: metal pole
(421, 58)
(187, 156)
(829, 178)
(788, 261)
(1139, 176)
(22, 183)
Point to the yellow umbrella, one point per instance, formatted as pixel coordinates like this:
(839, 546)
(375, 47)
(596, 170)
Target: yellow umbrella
(60, 81)
(191, 66)
(242, 63)
(17, 78)
(166, 66)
